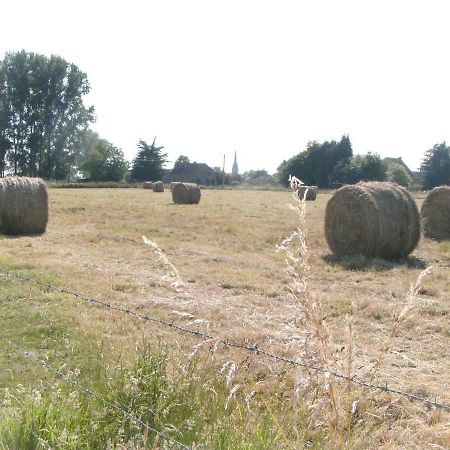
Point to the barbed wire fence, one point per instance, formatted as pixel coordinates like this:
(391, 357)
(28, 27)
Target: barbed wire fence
(252, 348)
(92, 393)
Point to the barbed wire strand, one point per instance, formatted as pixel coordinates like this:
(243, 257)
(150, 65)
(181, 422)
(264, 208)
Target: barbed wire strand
(253, 348)
(91, 393)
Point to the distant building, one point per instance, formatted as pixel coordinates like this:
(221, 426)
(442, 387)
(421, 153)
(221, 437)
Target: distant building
(199, 173)
(415, 175)
(235, 169)
(399, 161)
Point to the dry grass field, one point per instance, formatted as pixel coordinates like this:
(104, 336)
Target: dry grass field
(236, 287)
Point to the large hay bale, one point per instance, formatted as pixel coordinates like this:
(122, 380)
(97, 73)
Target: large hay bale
(147, 185)
(158, 186)
(311, 192)
(23, 206)
(173, 184)
(373, 219)
(186, 193)
(435, 213)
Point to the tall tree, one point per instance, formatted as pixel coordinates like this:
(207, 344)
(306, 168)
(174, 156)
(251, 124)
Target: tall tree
(42, 101)
(182, 161)
(148, 163)
(436, 166)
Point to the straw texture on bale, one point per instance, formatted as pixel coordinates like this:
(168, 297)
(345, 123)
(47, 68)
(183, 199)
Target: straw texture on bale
(435, 213)
(311, 192)
(373, 219)
(186, 193)
(173, 184)
(158, 186)
(23, 206)
(148, 185)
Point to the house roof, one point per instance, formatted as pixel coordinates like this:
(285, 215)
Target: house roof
(197, 168)
(400, 161)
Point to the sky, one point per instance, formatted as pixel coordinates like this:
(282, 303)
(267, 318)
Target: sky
(264, 78)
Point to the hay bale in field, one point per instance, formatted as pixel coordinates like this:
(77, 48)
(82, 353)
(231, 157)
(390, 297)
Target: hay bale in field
(23, 206)
(373, 219)
(311, 192)
(147, 185)
(186, 193)
(158, 186)
(435, 213)
(173, 184)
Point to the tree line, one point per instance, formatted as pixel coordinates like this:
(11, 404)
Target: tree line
(44, 132)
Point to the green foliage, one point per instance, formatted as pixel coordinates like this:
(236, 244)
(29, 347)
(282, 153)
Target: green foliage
(259, 178)
(316, 165)
(192, 405)
(106, 163)
(221, 177)
(182, 161)
(148, 165)
(398, 174)
(42, 115)
(436, 166)
(368, 167)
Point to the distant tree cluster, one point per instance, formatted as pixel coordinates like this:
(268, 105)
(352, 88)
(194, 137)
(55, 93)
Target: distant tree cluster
(436, 166)
(259, 178)
(104, 162)
(44, 132)
(42, 115)
(320, 165)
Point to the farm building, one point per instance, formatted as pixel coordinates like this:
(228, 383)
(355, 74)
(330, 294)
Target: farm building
(198, 173)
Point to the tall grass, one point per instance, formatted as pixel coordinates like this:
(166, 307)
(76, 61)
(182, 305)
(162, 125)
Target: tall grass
(192, 405)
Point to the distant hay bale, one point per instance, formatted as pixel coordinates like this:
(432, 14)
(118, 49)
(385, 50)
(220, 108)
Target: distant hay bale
(158, 186)
(186, 193)
(435, 213)
(311, 192)
(23, 206)
(147, 185)
(372, 219)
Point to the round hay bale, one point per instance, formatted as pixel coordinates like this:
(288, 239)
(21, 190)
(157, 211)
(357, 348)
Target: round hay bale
(311, 192)
(158, 186)
(435, 213)
(147, 185)
(173, 184)
(373, 219)
(23, 206)
(186, 193)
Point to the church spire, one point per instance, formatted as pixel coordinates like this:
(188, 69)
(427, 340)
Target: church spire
(235, 169)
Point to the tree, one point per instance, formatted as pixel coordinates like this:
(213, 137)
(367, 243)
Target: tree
(316, 165)
(182, 161)
(368, 167)
(398, 174)
(41, 114)
(436, 166)
(148, 163)
(106, 163)
(258, 178)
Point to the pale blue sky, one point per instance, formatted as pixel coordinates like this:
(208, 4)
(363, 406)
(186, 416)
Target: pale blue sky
(262, 77)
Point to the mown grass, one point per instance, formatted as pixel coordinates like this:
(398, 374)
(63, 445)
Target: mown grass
(236, 288)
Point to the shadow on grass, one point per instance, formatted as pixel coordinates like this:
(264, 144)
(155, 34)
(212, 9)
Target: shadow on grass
(363, 263)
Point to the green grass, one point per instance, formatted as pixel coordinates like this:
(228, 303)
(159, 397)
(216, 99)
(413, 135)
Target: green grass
(188, 400)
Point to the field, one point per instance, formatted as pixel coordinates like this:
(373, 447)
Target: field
(234, 286)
